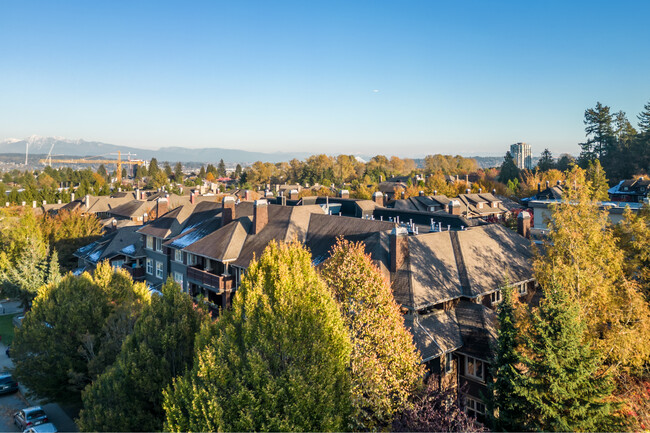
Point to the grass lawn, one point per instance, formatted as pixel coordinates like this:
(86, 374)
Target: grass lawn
(7, 328)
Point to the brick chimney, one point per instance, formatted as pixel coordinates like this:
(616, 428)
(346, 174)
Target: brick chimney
(293, 194)
(344, 193)
(421, 193)
(247, 195)
(378, 198)
(228, 212)
(192, 198)
(87, 201)
(523, 224)
(162, 207)
(260, 215)
(454, 207)
(398, 248)
(72, 196)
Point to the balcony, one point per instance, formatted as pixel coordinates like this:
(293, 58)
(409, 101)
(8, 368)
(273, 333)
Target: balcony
(136, 273)
(207, 279)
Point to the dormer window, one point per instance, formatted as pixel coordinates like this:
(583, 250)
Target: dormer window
(495, 297)
(480, 205)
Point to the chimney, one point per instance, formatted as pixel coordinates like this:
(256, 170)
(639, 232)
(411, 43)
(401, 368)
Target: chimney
(467, 191)
(467, 178)
(283, 200)
(228, 211)
(344, 193)
(59, 201)
(269, 194)
(435, 192)
(547, 184)
(293, 194)
(44, 202)
(247, 195)
(72, 196)
(24, 203)
(87, 199)
(494, 191)
(398, 248)
(260, 215)
(378, 198)
(162, 207)
(34, 203)
(137, 194)
(114, 224)
(480, 190)
(559, 182)
(454, 207)
(539, 186)
(523, 224)
(421, 193)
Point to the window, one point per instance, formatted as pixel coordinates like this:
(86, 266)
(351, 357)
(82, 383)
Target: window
(117, 264)
(495, 297)
(178, 256)
(474, 368)
(449, 362)
(178, 277)
(522, 289)
(149, 266)
(191, 259)
(159, 270)
(158, 244)
(474, 407)
(149, 244)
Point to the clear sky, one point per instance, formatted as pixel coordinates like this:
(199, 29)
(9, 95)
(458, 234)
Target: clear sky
(394, 77)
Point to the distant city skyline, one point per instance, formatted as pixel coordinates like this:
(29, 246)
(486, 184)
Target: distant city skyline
(363, 77)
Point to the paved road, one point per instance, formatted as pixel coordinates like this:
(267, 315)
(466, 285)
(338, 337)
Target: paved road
(11, 403)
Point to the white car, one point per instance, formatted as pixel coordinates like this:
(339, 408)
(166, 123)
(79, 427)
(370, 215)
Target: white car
(48, 427)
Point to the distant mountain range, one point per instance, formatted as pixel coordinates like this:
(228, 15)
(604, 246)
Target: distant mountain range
(63, 146)
(39, 147)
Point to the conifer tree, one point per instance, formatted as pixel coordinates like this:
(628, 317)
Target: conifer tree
(221, 169)
(644, 119)
(598, 181)
(566, 387)
(385, 364)
(278, 361)
(506, 408)
(509, 170)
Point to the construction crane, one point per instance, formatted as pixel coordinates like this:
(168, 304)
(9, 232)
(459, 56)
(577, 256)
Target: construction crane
(118, 161)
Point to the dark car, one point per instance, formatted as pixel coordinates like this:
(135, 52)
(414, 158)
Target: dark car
(7, 384)
(30, 417)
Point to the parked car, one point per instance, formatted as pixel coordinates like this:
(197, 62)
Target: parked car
(48, 427)
(18, 320)
(30, 417)
(7, 384)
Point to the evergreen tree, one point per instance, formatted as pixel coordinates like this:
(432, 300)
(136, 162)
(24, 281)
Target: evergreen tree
(29, 272)
(633, 237)
(178, 173)
(141, 172)
(385, 364)
(644, 119)
(278, 361)
(623, 129)
(599, 132)
(168, 171)
(202, 173)
(509, 170)
(53, 269)
(566, 386)
(507, 410)
(221, 169)
(598, 181)
(153, 167)
(128, 396)
(238, 171)
(101, 170)
(546, 161)
(565, 162)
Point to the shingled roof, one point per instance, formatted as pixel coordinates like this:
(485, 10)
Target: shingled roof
(448, 265)
(434, 334)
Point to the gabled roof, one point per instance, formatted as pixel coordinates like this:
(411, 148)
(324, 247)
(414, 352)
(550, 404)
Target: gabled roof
(109, 245)
(468, 263)
(133, 208)
(434, 334)
(477, 329)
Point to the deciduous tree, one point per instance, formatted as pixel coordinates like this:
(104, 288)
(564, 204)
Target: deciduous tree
(385, 364)
(279, 358)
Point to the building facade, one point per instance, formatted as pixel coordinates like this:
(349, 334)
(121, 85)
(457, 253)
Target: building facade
(522, 155)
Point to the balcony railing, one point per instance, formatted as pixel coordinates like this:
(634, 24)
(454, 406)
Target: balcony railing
(205, 278)
(136, 273)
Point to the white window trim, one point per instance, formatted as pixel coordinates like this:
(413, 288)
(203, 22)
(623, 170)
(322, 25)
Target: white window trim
(522, 289)
(158, 245)
(149, 242)
(471, 405)
(178, 253)
(496, 297)
(471, 374)
(149, 266)
(178, 277)
(159, 267)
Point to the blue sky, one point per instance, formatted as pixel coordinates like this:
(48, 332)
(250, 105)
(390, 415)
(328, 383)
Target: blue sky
(403, 78)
